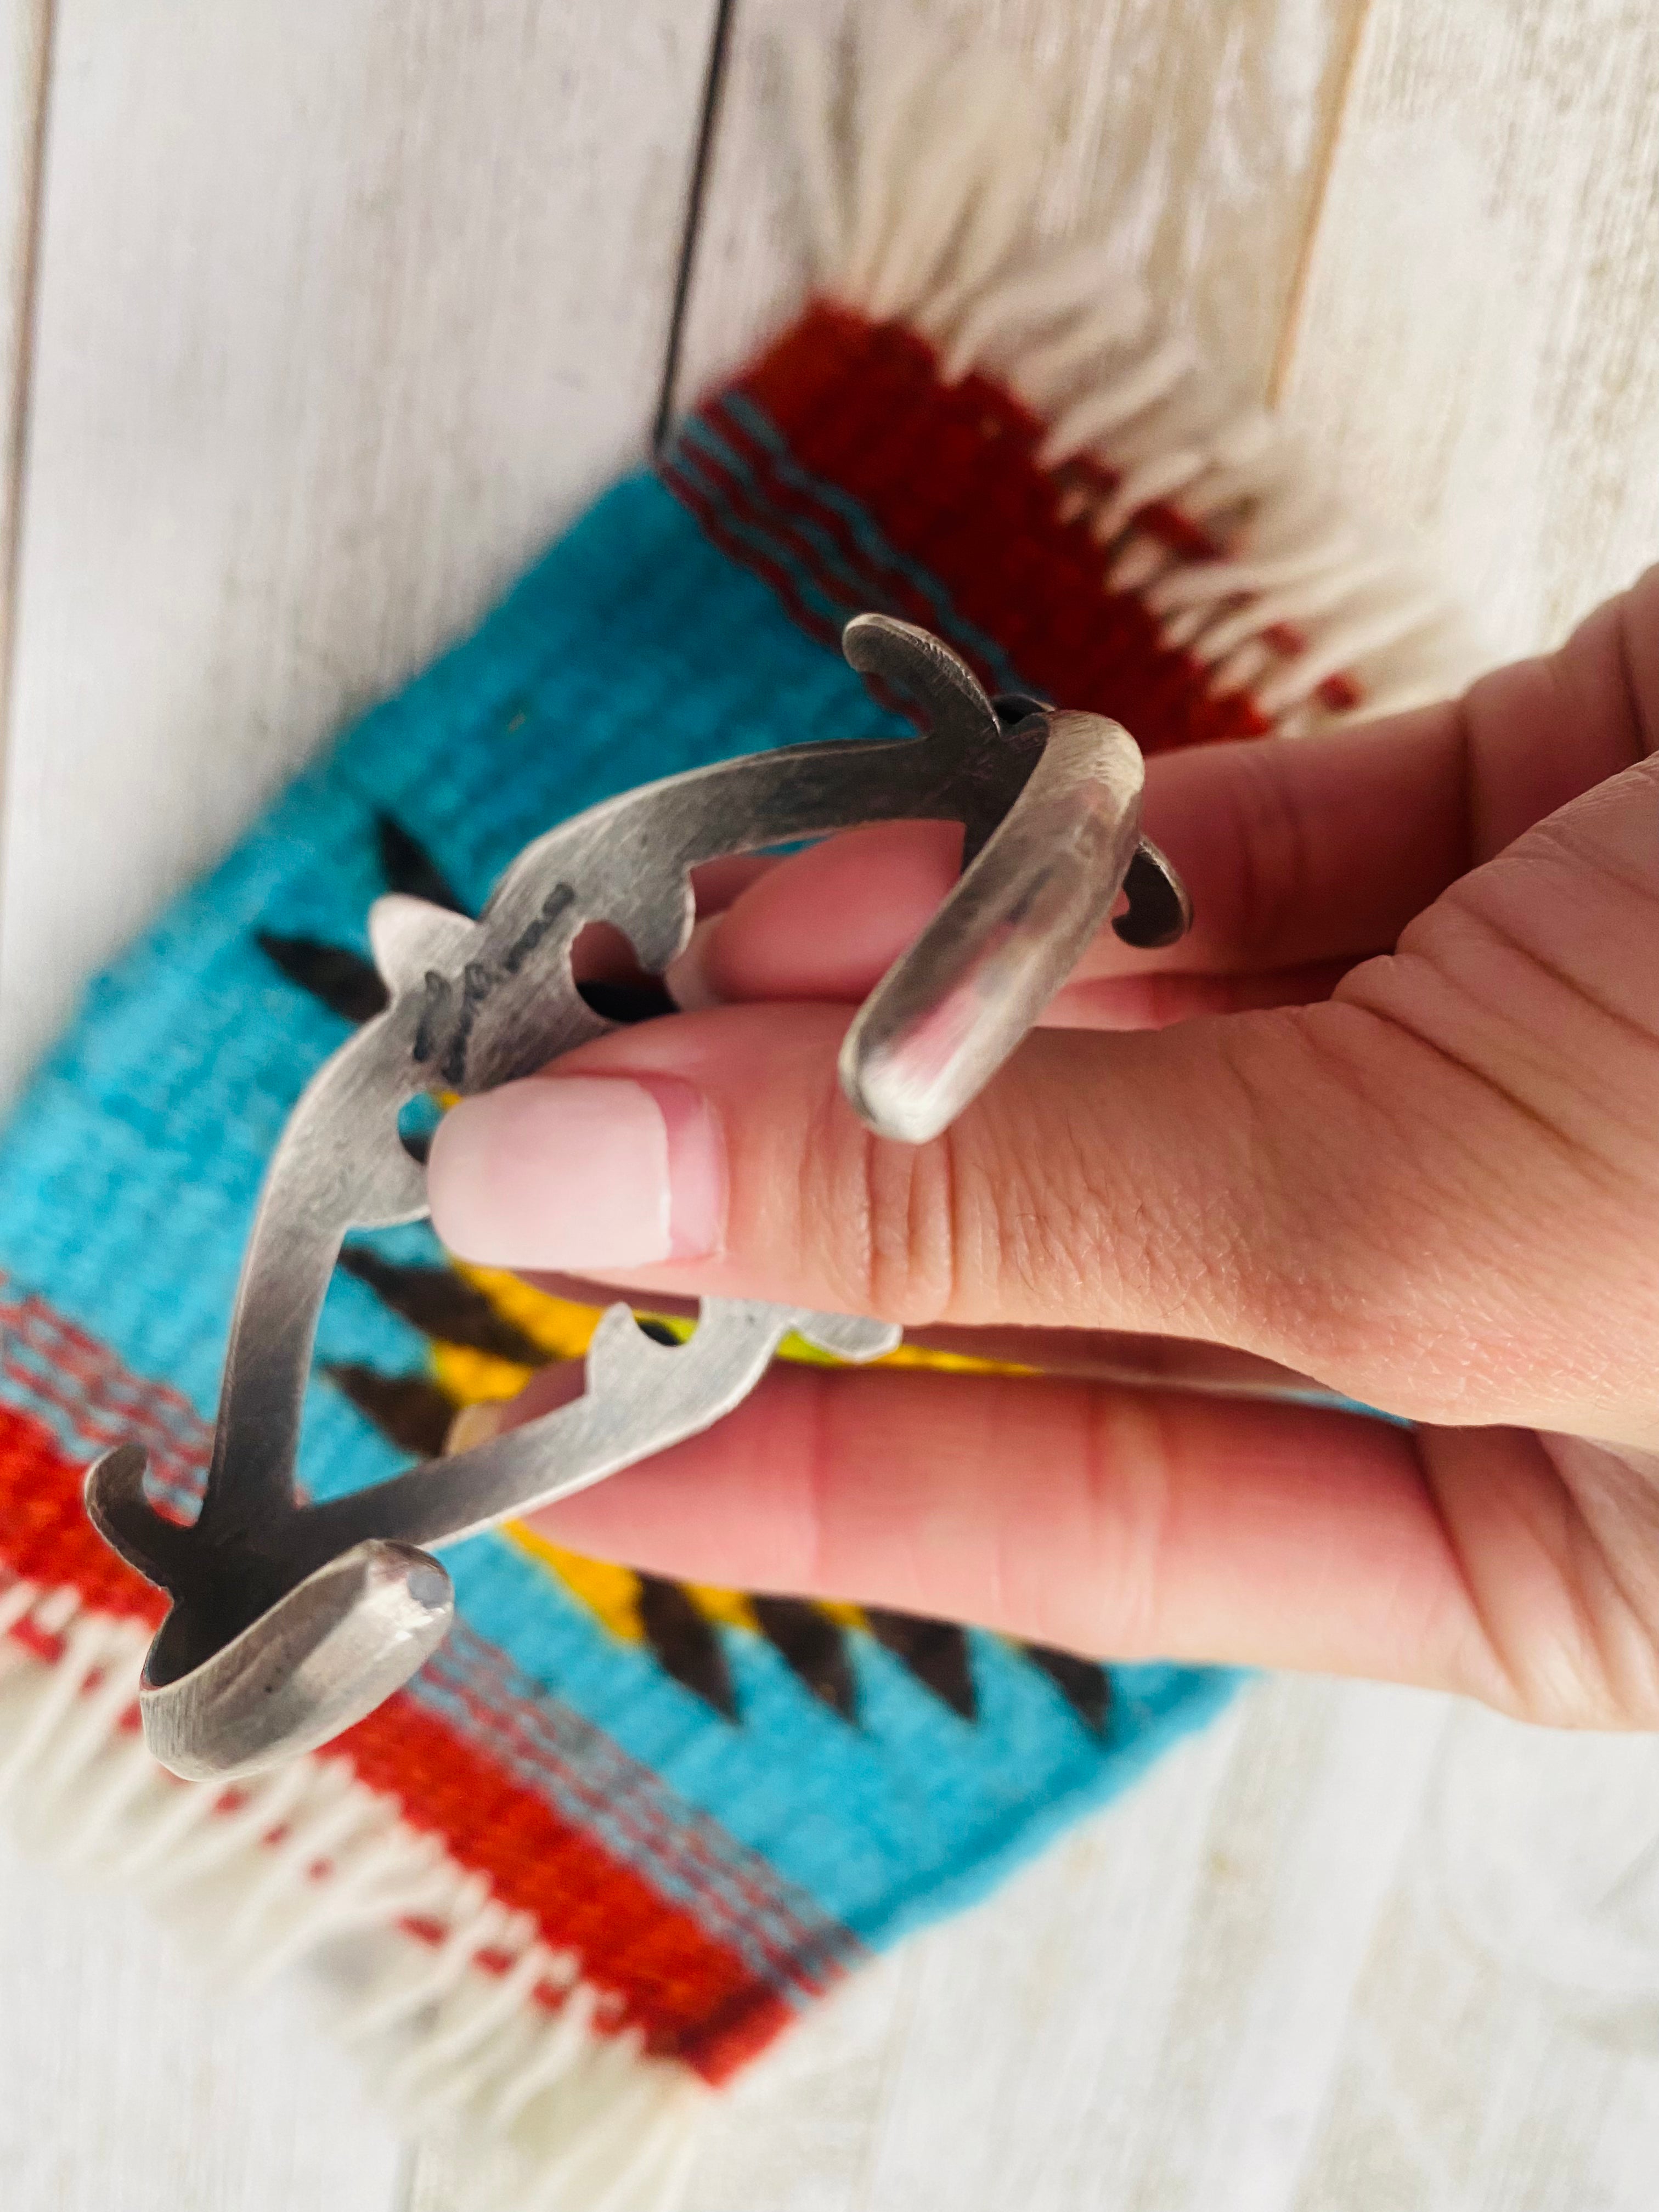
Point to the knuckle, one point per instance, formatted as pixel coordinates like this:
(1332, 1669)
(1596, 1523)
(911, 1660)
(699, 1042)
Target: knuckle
(1594, 1675)
(1274, 841)
(984, 1224)
(1129, 1488)
(1553, 1542)
(883, 1215)
(911, 1245)
(1608, 1568)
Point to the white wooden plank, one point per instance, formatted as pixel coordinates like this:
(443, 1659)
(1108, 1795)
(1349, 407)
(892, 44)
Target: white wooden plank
(993, 2059)
(1145, 2017)
(1359, 1784)
(23, 41)
(1477, 340)
(1476, 343)
(1500, 2051)
(338, 319)
(1268, 1978)
(1195, 136)
(129, 2082)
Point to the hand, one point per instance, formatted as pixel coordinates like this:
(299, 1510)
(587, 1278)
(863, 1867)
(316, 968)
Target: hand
(1389, 1118)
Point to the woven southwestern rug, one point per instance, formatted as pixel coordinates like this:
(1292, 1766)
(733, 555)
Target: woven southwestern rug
(620, 1832)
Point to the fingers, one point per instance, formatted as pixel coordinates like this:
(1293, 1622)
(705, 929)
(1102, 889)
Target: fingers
(1122, 1523)
(714, 1153)
(1316, 1186)
(1430, 1192)
(1195, 1182)
(1314, 850)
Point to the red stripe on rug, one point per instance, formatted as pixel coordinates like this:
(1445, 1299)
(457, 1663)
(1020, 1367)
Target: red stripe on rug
(775, 567)
(693, 1998)
(44, 1534)
(950, 474)
(791, 516)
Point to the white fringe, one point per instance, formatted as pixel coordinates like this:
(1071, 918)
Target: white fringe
(536, 2108)
(920, 172)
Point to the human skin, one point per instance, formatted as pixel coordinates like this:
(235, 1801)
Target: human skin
(1389, 1118)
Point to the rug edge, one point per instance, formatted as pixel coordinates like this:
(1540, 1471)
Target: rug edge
(463, 2020)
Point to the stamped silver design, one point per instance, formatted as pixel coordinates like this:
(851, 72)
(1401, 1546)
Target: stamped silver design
(290, 1618)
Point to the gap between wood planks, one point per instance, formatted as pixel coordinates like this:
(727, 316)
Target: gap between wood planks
(720, 46)
(708, 123)
(36, 45)
(1290, 328)
(34, 102)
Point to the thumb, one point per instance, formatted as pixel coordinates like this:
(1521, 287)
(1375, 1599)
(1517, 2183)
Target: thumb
(1318, 1185)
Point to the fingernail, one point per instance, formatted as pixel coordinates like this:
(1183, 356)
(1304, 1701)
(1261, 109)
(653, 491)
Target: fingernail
(475, 1424)
(686, 980)
(579, 1172)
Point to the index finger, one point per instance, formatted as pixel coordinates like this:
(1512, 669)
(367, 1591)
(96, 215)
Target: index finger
(1295, 851)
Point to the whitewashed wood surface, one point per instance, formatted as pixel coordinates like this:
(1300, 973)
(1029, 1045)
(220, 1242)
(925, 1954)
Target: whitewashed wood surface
(338, 317)
(333, 321)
